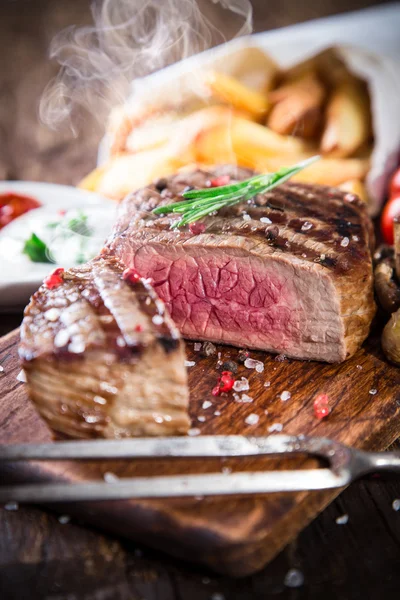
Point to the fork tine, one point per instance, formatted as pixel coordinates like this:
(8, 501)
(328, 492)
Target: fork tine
(209, 484)
(202, 446)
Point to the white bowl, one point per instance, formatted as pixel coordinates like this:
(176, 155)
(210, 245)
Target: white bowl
(19, 276)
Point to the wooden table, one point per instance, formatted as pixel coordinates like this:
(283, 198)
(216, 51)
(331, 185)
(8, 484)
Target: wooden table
(41, 558)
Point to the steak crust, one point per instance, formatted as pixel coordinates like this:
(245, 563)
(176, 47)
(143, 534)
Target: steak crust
(102, 357)
(289, 271)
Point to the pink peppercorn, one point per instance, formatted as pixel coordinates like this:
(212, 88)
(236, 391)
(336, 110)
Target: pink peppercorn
(196, 228)
(221, 180)
(321, 406)
(224, 384)
(131, 275)
(55, 279)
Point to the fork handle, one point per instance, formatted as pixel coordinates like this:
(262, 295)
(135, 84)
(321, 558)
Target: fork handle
(382, 461)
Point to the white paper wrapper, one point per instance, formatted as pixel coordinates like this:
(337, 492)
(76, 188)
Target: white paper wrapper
(368, 42)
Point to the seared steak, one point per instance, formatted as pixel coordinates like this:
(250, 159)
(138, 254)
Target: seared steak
(289, 272)
(102, 356)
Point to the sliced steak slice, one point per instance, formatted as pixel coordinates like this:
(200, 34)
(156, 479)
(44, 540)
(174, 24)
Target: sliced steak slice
(102, 356)
(290, 272)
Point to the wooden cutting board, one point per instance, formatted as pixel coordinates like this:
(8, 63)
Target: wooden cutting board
(233, 535)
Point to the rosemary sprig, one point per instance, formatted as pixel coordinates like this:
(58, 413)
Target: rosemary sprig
(200, 203)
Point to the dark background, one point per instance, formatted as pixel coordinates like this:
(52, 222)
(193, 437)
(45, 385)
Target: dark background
(41, 558)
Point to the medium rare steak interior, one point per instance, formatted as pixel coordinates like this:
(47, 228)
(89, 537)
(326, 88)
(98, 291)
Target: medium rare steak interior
(289, 271)
(102, 356)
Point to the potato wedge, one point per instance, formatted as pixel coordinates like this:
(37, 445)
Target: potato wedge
(128, 172)
(348, 120)
(236, 94)
(357, 187)
(297, 106)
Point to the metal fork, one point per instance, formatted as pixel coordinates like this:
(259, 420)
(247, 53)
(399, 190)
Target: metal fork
(344, 465)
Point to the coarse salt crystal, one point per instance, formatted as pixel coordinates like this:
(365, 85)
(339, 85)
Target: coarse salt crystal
(285, 395)
(107, 387)
(206, 404)
(396, 504)
(267, 384)
(158, 419)
(359, 367)
(265, 220)
(246, 398)
(241, 385)
(1, 369)
(275, 427)
(197, 347)
(99, 400)
(201, 419)
(11, 506)
(194, 431)
(158, 320)
(52, 314)
(77, 346)
(91, 419)
(64, 519)
(250, 363)
(373, 391)
(350, 197)
(345, 242)
(21, 376)
(61, 339)
(322, 257)
(294, 578)
(189, 363)
(110, 477)
(342, 520)
(252, 419)
(120, 341)
(306, 226)
(217, 413)
(355, 238)
(246, 217)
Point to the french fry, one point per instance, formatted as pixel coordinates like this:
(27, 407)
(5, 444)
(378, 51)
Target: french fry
(357, 187)
(236, 94)
(348, 121)
(246, 143)
(333, 171)
(297, 106)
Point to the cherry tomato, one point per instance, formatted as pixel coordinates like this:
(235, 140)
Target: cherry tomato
(394, 185)
(390, 211)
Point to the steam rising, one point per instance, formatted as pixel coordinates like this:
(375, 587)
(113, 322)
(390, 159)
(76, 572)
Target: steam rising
(129, 39)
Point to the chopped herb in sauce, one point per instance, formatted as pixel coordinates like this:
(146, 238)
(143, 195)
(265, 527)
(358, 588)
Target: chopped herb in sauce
(37, 250)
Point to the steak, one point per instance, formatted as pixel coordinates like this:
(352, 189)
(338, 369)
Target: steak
(288, 272)
(102, 357)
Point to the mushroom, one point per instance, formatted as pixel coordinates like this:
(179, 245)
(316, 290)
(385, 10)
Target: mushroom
(391, 338)
(386, 284)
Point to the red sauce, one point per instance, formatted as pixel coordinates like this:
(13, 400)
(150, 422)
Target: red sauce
(13, 205)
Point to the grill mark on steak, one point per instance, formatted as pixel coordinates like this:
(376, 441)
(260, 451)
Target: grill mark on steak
(333, 219)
